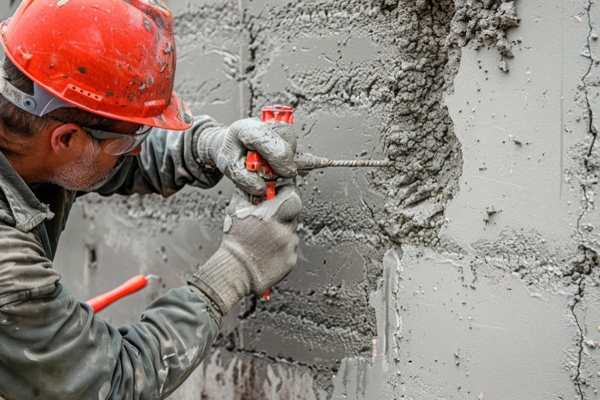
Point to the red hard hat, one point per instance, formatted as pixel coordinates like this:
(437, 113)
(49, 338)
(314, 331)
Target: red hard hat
(114, 58)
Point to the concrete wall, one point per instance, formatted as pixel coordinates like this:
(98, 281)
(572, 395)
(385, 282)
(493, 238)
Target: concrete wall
(469, 270)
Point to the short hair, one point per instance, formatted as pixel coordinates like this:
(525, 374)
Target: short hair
(18, 124)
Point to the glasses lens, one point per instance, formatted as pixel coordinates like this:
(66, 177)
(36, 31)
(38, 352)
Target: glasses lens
(125, 144)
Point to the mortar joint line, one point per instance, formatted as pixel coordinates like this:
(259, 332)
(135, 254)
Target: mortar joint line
(590, 115)
(593, 133)
(247, 24)
(581, 336)
(275, 360)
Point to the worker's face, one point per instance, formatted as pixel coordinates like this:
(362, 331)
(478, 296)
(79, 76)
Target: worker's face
(87, 166)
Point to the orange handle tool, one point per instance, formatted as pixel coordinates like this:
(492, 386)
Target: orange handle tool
(131, 286)
(254, 162)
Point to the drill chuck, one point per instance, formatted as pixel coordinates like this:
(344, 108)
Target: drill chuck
(308, 162)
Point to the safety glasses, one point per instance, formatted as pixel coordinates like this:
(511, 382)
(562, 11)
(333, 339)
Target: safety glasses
(121, 143)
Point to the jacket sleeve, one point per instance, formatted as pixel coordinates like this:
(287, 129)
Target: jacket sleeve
(54, 347)
(168, 161)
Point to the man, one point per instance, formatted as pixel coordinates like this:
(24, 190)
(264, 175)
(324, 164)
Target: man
(83, 82)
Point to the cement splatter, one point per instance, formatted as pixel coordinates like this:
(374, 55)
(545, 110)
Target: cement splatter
(400, 92)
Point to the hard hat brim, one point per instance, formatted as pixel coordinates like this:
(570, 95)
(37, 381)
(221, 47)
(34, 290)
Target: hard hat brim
(176, 117)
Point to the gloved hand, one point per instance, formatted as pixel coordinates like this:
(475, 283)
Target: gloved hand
(226, 148)
(258, 249)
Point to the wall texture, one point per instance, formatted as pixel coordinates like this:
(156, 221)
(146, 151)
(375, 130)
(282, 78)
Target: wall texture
(468, 270)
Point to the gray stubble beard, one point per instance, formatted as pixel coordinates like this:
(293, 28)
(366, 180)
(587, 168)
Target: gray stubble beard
(75, 175)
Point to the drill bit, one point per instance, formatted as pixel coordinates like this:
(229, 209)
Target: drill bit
(359, 163)
(308, 162)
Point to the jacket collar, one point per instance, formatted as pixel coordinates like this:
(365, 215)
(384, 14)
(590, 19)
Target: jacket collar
(27, 210)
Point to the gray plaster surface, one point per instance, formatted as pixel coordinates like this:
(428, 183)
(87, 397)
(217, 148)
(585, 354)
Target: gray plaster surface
(468, 270)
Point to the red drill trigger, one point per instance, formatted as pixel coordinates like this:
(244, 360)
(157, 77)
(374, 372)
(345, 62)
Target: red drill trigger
(271, 189)
(254, 162)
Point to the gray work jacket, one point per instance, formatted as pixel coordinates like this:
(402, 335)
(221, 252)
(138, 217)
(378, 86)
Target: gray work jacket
(52, 346)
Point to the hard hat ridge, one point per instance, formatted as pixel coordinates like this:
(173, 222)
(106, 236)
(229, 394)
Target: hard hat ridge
(154, 3)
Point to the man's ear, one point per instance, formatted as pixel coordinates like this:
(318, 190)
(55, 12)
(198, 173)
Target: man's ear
(65, 138)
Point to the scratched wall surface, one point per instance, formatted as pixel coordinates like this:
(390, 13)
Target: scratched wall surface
(467, 270)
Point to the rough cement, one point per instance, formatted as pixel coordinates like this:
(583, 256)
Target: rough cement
(469, 270)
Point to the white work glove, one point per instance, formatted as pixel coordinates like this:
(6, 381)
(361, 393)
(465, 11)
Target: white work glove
(258, 249)
(226, 148)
